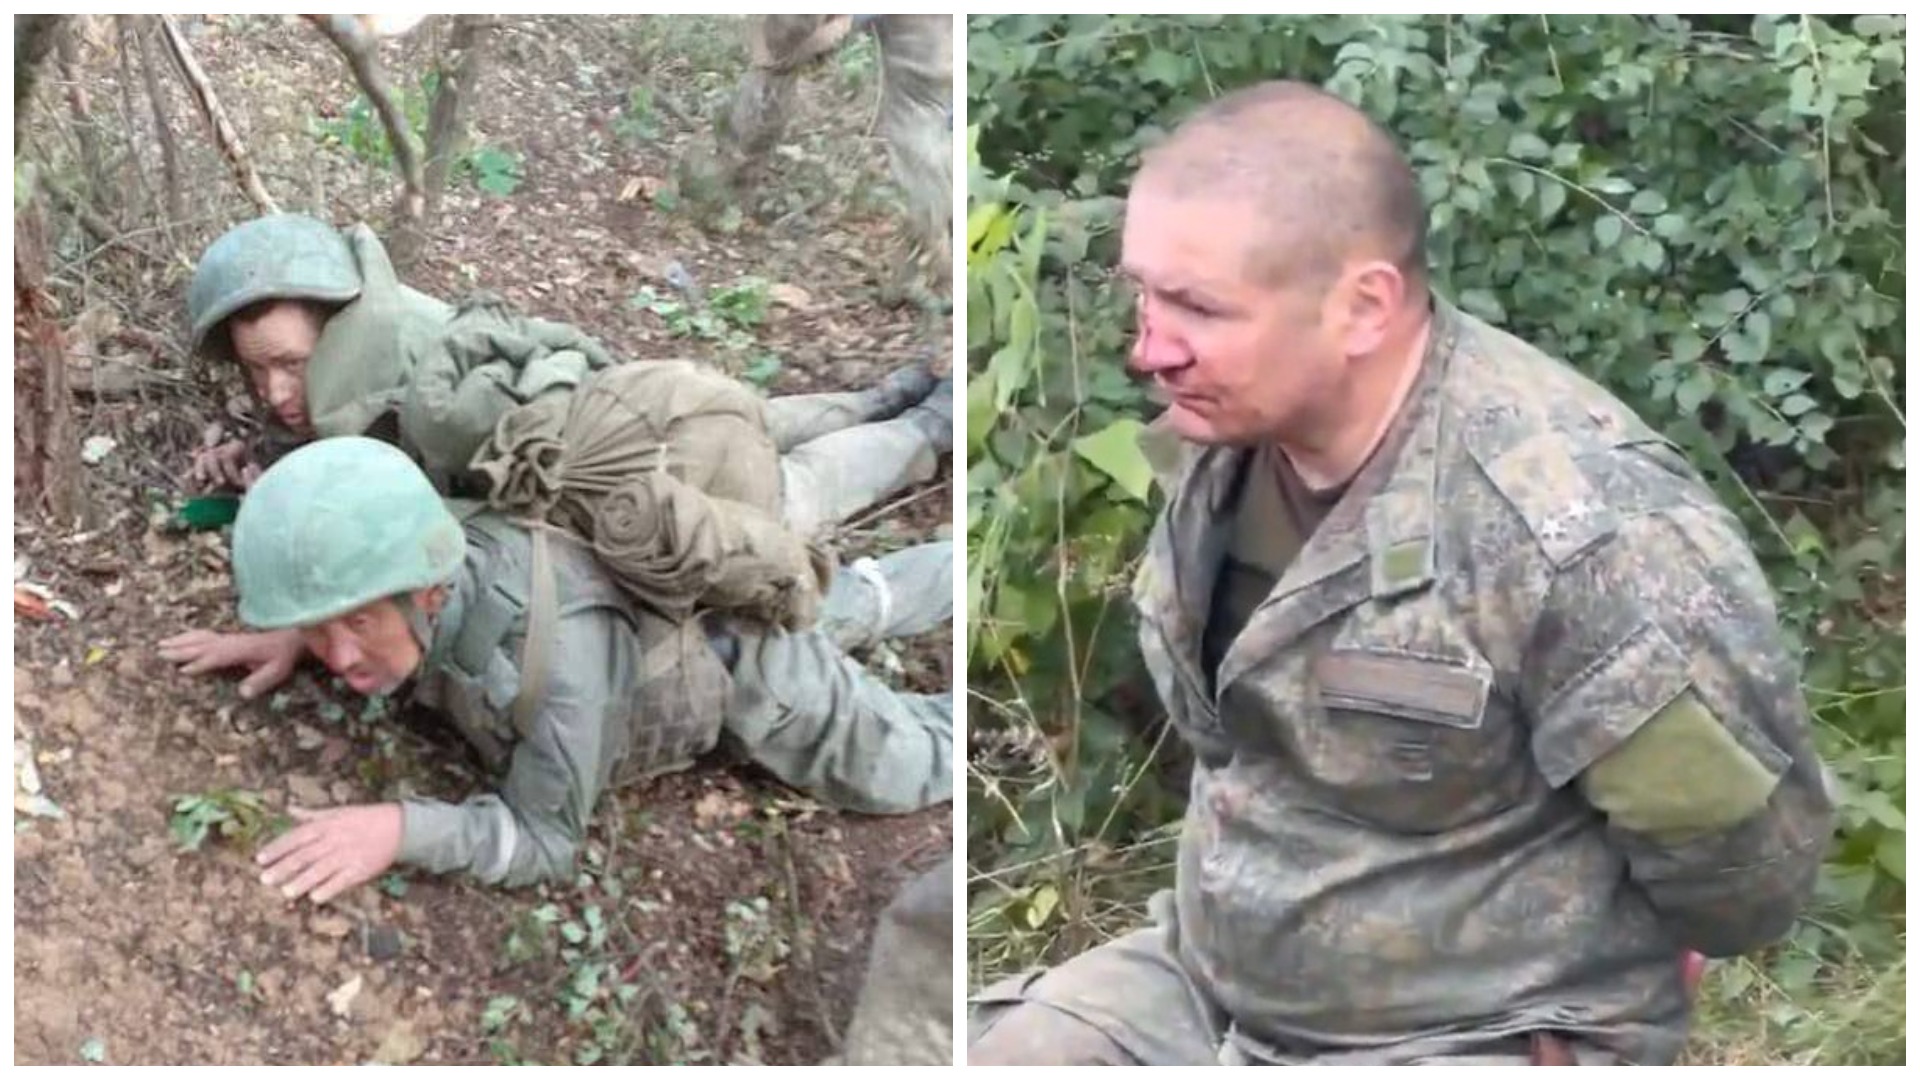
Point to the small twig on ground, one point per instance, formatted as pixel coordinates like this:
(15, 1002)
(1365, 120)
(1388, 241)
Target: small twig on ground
(216, 117)
(882, 511)
(124, 240)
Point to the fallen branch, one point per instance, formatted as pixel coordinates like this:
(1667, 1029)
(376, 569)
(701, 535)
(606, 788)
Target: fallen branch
(216, 117)
(351, 36)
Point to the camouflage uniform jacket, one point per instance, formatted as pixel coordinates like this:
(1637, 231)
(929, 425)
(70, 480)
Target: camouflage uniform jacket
(627, 694)
(430, 377)
(1393, 835)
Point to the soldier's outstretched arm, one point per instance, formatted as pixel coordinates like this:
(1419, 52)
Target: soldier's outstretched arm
(1660, 688)
(531, 829)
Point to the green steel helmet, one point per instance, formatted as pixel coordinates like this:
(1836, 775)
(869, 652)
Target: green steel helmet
(280, 256)
(338, 523)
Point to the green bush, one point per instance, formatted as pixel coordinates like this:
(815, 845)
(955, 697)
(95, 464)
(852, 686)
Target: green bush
(1705, 212)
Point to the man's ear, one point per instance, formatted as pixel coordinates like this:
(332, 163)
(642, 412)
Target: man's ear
(1371, 295)
(431, 599)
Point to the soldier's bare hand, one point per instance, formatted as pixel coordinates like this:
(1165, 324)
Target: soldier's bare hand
(332, 851)
(269, 657)
(227, 464)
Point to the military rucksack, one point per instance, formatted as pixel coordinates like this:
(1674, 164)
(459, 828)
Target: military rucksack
(667, 472)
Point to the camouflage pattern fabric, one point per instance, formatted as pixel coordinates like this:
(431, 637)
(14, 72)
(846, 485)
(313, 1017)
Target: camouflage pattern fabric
(630, 694)
(1422, 820)
(915, 115)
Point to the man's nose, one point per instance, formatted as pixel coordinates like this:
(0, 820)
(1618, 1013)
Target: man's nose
(282, 389)
(342, 654)
(1155, 350)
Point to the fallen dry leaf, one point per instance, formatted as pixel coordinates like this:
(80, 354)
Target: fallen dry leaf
(306, 791)
(332, 926)
(341, 1000)
(400, 1045)
(717, 807)
(641, 187)
(792, 296)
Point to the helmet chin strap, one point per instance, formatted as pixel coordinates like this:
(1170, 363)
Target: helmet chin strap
(419, 620)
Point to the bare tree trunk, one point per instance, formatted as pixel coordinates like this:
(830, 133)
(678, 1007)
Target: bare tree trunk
(129, 122)
(67, 49)
(46, 463)
(33, 39)
(162, 124)
(216, 117)
(352, 37)
(461, 66)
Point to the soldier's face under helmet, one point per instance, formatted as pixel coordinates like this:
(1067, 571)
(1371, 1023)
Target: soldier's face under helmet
(273, 342)
(373, 647)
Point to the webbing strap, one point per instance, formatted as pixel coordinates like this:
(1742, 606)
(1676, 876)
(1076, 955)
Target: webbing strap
(536, 648)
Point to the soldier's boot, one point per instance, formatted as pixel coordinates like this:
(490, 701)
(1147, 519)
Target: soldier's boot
(794, 419)
(934, 415)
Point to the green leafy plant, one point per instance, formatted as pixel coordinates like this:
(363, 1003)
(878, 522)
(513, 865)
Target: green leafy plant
(231, 813)
(494, 171)
(639, 121)
(727, 317)
(358, 131)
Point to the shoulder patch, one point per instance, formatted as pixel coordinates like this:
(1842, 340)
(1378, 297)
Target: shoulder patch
(1546, 487)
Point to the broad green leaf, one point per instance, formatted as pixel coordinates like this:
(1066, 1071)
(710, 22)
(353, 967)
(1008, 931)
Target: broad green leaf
(1607, 230)
(1782, 381)
(1648, 201)
(1526, 146)
(1115, 451)
(1890, 854)
(1694, 390)
(1040, 906)
(1553, 196)
(1796, 404)
(1164, 67)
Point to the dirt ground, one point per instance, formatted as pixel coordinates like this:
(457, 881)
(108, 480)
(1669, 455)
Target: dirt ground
(716, 916)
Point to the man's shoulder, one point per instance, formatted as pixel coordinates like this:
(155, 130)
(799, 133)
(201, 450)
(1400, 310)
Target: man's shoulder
(1553, 446)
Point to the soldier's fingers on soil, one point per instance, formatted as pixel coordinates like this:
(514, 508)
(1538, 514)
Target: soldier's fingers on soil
(330, 863)
(265, 677)
(345, 878)
(209, 655)
(182, 641)
(294, 841)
